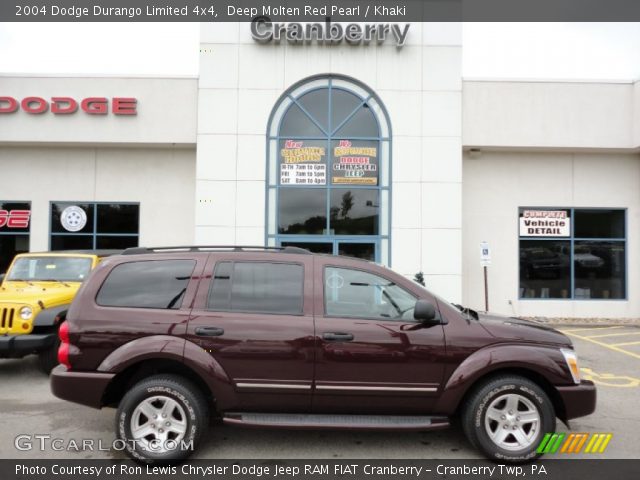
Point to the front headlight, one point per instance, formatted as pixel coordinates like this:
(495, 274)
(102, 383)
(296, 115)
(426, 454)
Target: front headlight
(572, 362)
(25, 313)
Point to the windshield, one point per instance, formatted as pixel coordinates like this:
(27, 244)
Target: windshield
(64, 269)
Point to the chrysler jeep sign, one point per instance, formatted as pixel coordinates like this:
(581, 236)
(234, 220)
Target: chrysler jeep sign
(69, 105)
(265, 31)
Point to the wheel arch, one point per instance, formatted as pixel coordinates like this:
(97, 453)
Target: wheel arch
(539, 364)
(142, 369)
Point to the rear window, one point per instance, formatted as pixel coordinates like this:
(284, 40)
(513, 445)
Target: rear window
(259, 287)
(148, 284)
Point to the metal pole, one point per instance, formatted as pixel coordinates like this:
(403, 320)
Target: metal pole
(486, 290)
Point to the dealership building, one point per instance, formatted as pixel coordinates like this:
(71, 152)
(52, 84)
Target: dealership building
(367, 144)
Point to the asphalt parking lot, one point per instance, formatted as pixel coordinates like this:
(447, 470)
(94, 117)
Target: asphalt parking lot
(610, 355)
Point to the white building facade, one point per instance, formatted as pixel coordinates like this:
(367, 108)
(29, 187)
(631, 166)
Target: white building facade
(378, 150)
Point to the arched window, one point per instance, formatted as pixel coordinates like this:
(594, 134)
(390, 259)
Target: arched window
(328, 169)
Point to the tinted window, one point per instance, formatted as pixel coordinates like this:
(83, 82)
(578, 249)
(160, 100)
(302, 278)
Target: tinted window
(353, 293)
(71, 242)
(257, 287)
(150, 284)
(354, 211)
(600, 270)
(545, 269)
(15, 221)
(600, 224)
(117, 218)
(302, 211)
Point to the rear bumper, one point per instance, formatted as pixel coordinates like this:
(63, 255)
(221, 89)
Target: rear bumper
(21, 345)
(85, 388)
(579, 400)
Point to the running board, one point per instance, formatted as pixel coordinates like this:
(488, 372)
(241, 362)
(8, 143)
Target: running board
(335, 422)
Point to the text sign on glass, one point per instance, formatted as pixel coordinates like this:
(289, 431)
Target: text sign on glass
(303, 163)
(545, 223)
(355, 163)
(303, 174)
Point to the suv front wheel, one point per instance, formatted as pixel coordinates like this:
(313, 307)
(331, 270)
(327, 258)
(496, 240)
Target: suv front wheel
(507, 417)
(162, 419)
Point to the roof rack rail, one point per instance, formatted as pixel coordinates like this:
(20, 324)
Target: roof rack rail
(212, 248)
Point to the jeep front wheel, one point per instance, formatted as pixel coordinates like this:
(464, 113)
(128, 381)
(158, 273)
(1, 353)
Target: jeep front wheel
(161, 419)
(507, 417)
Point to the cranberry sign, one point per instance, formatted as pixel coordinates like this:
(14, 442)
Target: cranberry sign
(69, 105)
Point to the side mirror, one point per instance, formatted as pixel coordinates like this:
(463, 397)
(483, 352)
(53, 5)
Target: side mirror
(1, 277)
(425, 312)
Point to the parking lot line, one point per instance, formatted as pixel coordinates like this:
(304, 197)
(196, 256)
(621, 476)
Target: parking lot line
(623, 334)
(626, 344)
(592, 329)
(602, 344)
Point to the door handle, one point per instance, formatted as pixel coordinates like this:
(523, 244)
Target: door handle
(209, 331)
(338, 336)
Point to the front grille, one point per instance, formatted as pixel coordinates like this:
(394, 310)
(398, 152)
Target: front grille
(6, 318)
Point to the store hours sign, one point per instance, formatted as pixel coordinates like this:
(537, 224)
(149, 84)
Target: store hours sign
(303, 163)
(545, 223)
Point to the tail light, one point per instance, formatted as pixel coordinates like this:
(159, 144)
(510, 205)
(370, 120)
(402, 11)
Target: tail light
(63, 350)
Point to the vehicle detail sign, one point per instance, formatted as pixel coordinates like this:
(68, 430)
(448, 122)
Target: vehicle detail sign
(545, 223)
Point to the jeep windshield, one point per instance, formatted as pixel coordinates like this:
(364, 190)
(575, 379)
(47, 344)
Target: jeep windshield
(49, 269)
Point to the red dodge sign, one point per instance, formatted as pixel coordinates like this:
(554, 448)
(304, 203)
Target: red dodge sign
(68, 105)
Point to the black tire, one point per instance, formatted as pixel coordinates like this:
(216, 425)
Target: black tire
(187, 396)
(48, 359)
(494, 393)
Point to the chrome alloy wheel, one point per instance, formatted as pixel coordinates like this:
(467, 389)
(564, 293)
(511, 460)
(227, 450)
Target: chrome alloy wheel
(512, 422)
(158, 424)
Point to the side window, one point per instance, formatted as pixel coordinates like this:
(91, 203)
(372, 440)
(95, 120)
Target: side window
(148, 284)
(354, 293)
(259, 287)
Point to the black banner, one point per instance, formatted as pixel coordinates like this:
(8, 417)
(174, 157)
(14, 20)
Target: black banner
(318, 10)
(356, 469)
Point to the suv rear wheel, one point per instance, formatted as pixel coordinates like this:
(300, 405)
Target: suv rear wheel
(162, 419)
(507, 417)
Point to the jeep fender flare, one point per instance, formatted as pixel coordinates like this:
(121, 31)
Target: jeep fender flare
(47, 317)
(178, 349)
(534, 358)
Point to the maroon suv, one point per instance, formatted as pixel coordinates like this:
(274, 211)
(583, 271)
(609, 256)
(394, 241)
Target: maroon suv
(284, 338)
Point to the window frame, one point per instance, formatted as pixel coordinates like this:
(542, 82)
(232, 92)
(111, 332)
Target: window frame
(355, 317)
(94, 235)
(250, 312)
(366, 95)
(572, 239)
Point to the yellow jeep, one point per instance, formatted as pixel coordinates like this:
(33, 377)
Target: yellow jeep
(35, 294)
